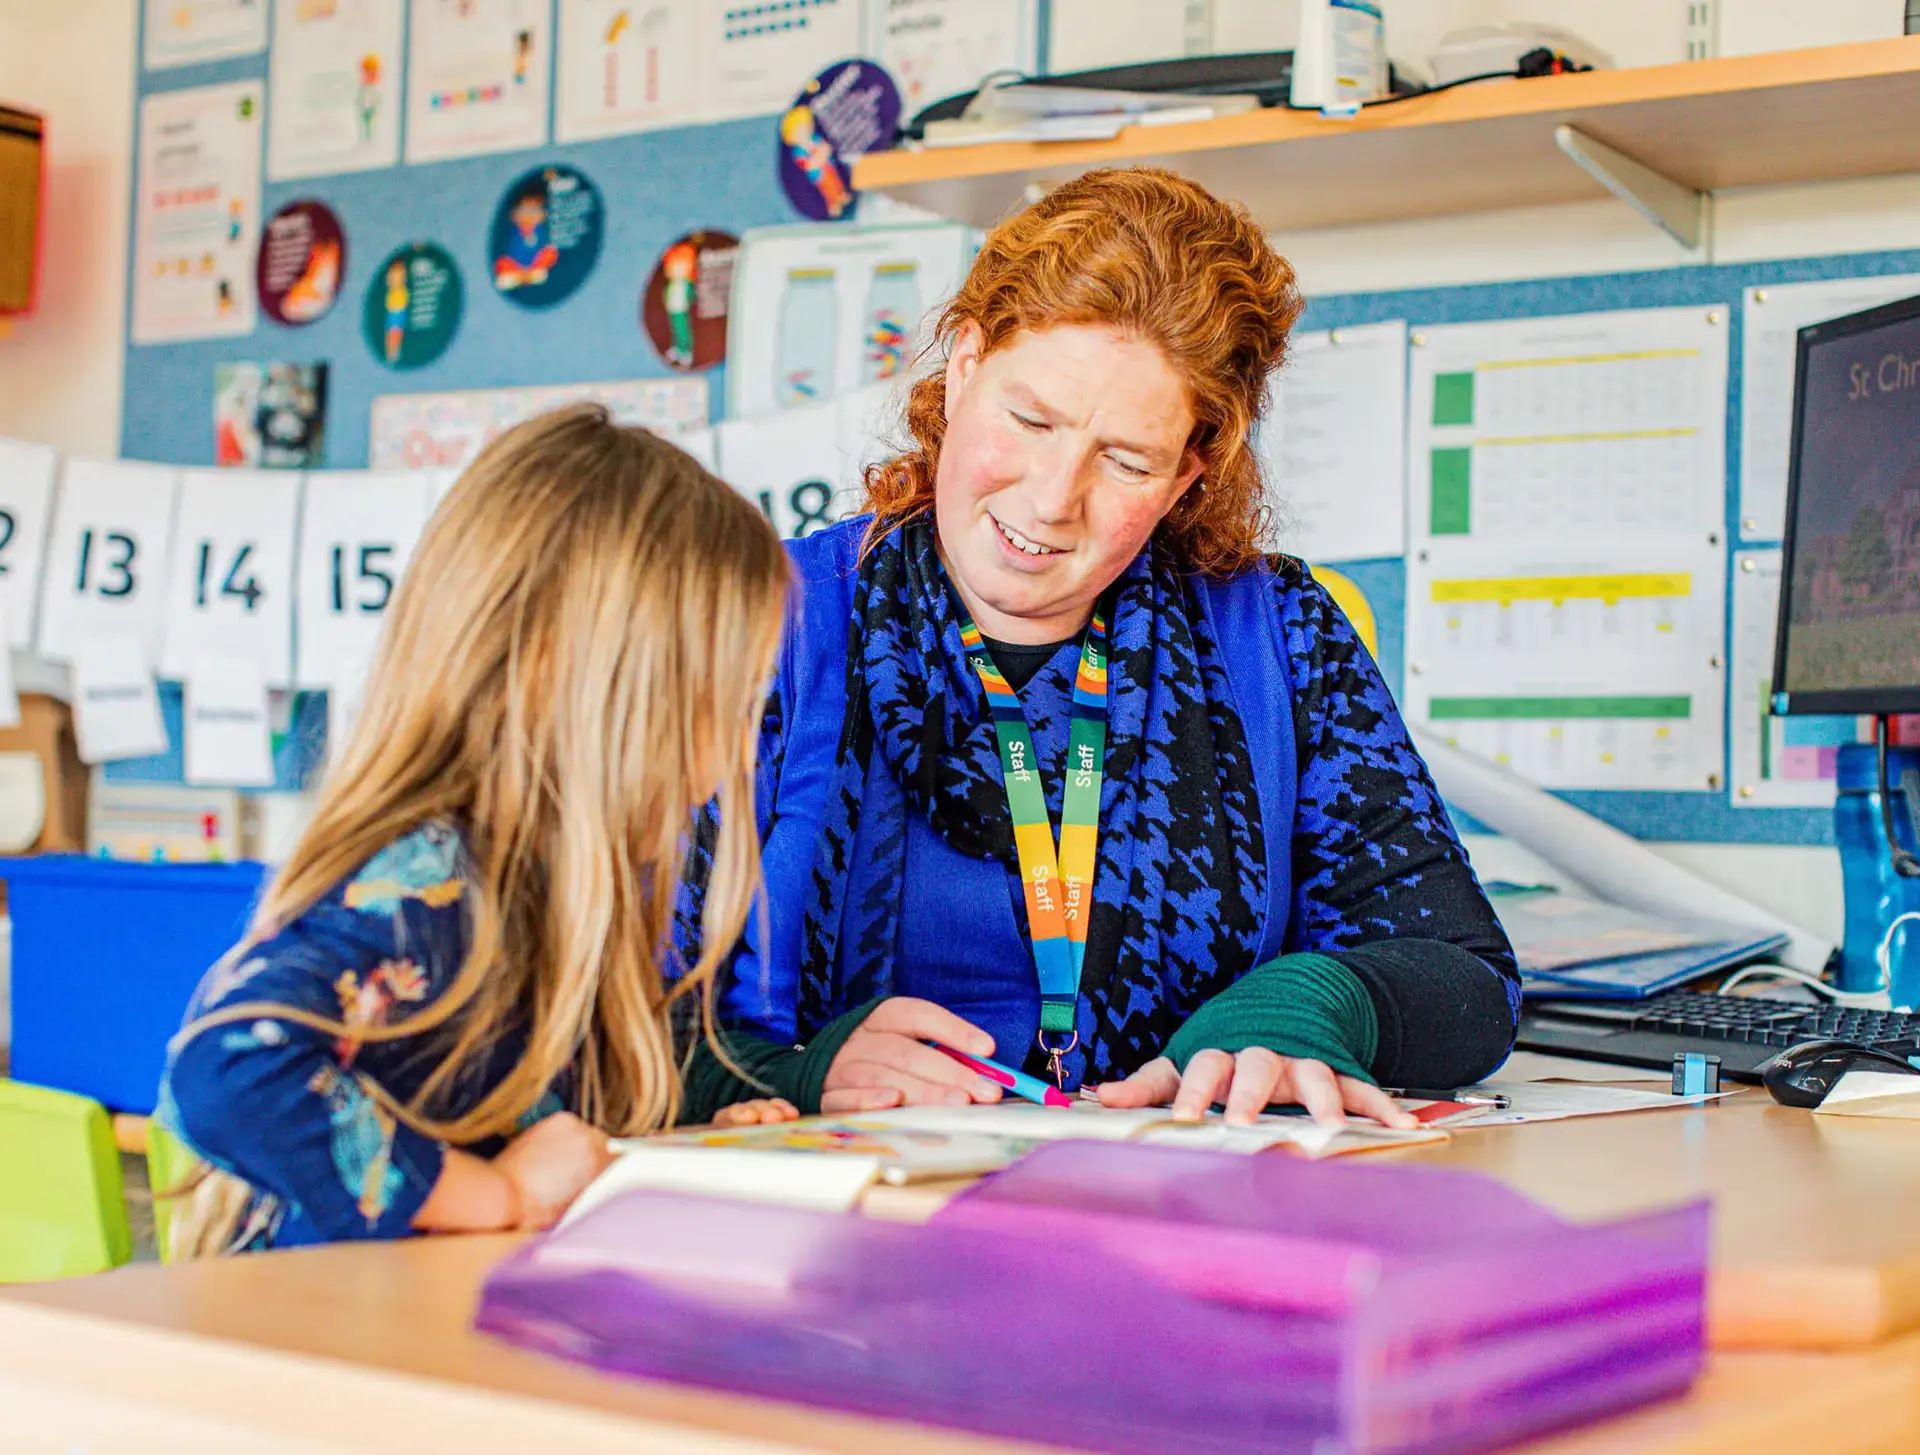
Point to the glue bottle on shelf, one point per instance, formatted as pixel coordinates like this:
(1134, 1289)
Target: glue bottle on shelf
(1340, 59)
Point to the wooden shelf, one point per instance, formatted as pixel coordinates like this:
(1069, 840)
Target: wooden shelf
(1791, 116)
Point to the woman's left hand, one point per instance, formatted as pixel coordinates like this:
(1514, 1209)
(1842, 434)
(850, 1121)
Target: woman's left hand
(1248, 1082)
(757, 1112)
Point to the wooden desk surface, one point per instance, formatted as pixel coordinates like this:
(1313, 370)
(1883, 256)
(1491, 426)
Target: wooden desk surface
(1816, 1220)
(369, 1349)
(1817, 1242)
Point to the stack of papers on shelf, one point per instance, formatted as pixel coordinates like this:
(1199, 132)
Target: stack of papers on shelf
(1029, 111)
(1573, 947)
(828, 1163)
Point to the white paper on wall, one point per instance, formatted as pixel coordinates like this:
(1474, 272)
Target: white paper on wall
(196, 214)
(823, 310)
(335, 87)
(758, 54)
(230, 576)
(627, 66)
(357, 533)
(1771, 325)
(1333, 444)
(477, 79)
(228, 738)
(116, 707)
(26, 507)
(1533, 432)
(107, 556)
(189, 32)
(1570, 667)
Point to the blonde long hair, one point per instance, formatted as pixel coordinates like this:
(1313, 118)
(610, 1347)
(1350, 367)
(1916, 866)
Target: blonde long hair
(575, 661)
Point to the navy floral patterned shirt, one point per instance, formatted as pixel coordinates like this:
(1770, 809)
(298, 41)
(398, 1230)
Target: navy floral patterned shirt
(293, 1111)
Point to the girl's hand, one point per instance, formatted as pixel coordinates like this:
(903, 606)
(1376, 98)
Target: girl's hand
(757, 1112)
(550, 1164)
(1250, 1081)
(887, 1063)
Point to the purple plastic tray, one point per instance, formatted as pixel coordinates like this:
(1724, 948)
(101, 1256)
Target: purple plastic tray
(1123, 1298)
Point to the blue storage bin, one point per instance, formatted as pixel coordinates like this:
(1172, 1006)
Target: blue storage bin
(105, 955)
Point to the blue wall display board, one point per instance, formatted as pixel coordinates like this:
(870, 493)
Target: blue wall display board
(658, 186)
(1699, 817)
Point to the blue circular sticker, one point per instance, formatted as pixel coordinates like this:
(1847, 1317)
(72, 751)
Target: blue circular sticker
(846, 111)
(546, 236)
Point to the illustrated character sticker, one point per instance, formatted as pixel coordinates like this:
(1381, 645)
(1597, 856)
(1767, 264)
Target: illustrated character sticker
(546, 236)
(679, 265)
(398, 298)
(522, 56)
(302, 258)
(813, 155)
(529, 254)
(848, 111)
(313, 292)
(684, 305)
(367, 100)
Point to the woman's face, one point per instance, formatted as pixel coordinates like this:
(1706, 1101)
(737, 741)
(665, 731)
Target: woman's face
(1064, 449)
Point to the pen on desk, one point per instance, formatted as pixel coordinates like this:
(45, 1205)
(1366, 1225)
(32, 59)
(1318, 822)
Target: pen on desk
(1462, 1098)
(1018, 1082)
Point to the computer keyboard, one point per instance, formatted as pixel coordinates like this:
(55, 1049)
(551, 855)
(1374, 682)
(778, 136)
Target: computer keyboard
(1742, 1031)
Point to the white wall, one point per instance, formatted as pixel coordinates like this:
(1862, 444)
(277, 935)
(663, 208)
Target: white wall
(72, 61)
(1799, 881)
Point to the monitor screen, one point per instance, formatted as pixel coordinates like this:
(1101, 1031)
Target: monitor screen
(1849, 632)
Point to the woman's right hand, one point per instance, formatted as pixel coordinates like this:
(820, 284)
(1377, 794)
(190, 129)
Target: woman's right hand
(887, 1063)
(550, 1164)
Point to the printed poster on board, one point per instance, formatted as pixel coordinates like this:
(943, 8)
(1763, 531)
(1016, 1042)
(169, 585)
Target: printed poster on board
(756, 51)
(478, 81)
(934, 49)
(627, 66)
(269, 416)
(303, 253)
(197, 214)
(335, 92)
(445, 431)
(188, 32)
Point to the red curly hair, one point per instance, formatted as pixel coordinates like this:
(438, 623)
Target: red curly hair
(1161, 259)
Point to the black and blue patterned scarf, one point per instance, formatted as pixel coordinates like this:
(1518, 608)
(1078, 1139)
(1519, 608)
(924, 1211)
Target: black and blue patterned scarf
(1182, 870)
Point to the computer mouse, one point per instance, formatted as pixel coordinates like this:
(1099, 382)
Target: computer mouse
(1802, 1075)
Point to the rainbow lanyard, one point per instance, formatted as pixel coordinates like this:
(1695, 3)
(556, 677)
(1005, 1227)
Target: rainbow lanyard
(1059, 882)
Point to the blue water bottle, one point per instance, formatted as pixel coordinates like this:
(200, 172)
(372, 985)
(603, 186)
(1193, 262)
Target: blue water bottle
(1876, 892)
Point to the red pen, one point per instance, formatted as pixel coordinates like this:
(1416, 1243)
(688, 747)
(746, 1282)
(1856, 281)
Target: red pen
(1018, 1082)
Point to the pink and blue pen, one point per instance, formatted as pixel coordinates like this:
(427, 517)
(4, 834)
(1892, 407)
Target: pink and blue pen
(1018, 1082)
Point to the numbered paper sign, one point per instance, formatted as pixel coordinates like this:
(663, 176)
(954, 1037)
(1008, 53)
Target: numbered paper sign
(357, 532)
(789, 464)
(106, 565)
(230, 586)
(26, 500)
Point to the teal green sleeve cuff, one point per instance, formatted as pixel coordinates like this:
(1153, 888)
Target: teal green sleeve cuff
(771, 1069)
(1307, 1006)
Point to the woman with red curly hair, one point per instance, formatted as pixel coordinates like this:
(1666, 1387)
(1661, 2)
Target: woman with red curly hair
(1061, 766)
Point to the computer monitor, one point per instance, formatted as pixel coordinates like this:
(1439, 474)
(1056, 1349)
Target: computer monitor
(1848, 639)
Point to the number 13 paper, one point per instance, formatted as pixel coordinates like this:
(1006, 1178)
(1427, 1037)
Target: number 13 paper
(107, 557)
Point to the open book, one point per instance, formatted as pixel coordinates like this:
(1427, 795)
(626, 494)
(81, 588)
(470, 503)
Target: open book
(828, 1163)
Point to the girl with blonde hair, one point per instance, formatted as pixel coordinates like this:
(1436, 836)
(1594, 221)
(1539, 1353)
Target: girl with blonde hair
(452, 991)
